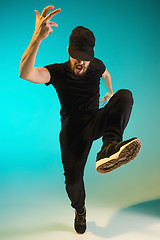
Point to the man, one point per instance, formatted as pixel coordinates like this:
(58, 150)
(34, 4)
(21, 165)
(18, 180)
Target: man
(77, 84)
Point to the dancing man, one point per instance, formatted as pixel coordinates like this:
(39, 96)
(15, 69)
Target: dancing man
(82, 121)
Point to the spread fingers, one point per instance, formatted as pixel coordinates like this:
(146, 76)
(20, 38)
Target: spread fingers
(53, 24)
(46, 9)
(50, 15)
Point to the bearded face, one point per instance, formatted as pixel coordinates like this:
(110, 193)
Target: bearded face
(79, 67)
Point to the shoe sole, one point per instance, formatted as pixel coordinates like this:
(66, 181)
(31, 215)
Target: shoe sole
(126, 153)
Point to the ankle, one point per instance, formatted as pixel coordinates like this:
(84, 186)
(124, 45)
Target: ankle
(81, 211)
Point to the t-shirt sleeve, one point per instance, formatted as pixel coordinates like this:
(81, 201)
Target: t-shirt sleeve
(99, 65)
(52, 70)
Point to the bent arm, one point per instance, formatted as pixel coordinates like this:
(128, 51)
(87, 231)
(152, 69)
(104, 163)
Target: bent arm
(107, 80)
(27, 70)
(43, 28)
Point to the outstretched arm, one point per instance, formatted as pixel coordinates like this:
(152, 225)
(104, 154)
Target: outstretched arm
(108, 82)
(43, 28)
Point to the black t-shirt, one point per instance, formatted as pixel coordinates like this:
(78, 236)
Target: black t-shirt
(76, 93)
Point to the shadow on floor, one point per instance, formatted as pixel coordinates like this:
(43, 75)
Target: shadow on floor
(136, 218)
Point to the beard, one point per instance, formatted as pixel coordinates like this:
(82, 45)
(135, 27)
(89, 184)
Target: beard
(79, 69)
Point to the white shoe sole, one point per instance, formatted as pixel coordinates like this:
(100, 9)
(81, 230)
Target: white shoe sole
(126, 153)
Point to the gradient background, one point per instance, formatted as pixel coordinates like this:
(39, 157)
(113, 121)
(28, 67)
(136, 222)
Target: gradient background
(31, 174)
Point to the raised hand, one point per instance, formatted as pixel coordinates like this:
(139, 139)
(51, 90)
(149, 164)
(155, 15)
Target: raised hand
(43, 24)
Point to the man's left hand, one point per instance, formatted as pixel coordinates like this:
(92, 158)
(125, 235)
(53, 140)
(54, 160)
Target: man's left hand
(106, 98)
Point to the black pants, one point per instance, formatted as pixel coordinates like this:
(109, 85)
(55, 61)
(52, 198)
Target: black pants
(78, 133)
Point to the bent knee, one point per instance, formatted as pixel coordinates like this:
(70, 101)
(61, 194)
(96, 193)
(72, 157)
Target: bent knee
(126, 95)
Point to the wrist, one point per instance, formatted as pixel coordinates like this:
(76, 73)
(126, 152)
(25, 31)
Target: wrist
(36, 38)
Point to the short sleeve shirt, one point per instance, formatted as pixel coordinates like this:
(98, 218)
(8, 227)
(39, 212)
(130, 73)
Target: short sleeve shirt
(76, 93)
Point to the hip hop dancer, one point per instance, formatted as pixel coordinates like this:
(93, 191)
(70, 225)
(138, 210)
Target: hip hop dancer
(82, 121)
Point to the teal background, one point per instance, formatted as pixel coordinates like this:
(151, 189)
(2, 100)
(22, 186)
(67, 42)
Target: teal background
(127, 41)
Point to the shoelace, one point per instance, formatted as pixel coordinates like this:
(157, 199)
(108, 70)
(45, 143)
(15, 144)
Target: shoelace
(109, 145)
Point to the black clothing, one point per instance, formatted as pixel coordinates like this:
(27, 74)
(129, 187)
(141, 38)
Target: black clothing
(83, 121)
(76, 94)
(79, 132)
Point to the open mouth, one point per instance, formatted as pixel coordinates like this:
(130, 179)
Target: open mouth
(79, 67)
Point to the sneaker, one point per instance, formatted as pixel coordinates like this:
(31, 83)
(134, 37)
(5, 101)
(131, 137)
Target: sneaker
(117, 154)
(80, 222)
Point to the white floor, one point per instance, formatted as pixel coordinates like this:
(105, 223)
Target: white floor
(117, 224)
